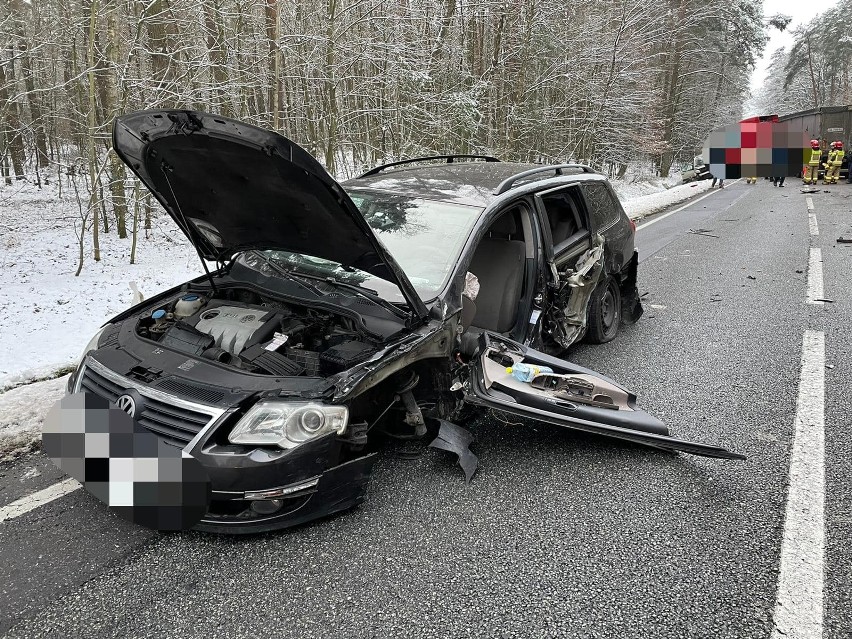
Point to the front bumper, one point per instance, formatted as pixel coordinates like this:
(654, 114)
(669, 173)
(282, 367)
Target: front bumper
(336, 490)
(253, 489)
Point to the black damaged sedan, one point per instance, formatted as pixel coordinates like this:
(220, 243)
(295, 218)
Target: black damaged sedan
(334, 316)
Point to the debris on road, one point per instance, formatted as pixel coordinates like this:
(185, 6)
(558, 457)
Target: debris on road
(705, 232)
(829, 366)
(844, 240)
(824, 299)
(751, 277)
(455, 439)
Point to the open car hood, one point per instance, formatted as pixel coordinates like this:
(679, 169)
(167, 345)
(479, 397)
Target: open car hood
(231, 186)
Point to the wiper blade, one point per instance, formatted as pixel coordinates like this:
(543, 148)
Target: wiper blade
(370, 295)
(302, 277)
(280, 270)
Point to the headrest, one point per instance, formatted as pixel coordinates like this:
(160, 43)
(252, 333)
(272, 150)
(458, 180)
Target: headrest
(504, 226)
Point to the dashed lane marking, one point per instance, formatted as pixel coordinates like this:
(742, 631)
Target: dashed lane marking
(799, 602)
(25, 504)
(815, 293)
(812, 222)
(810, 202)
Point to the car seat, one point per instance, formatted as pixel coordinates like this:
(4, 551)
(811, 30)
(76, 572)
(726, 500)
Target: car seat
(499, 264)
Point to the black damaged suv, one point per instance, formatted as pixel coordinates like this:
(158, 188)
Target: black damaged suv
(339, 314)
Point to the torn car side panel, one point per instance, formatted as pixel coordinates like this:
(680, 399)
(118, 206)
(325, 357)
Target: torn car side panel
(490, 385)
(569, 311)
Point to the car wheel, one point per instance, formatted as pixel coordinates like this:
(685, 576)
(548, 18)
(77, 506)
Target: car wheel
(604, 315)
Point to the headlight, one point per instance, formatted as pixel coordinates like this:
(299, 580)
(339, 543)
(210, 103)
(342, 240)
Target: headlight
(288, 424)
(92, 345)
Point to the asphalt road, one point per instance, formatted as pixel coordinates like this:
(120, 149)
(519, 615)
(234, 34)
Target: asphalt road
(558, 534)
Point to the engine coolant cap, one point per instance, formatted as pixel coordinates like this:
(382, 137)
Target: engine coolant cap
(189, 298)
(158, 314)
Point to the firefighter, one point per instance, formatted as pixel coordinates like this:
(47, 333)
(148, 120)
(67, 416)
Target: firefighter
(812, 169)
(834, 161)
(826, 164)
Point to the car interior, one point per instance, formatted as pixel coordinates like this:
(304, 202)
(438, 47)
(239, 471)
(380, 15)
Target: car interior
(499, 265)
(567, 223)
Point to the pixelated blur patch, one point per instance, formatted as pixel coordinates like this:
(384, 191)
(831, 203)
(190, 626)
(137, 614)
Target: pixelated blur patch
(756, 149)
(141, 478)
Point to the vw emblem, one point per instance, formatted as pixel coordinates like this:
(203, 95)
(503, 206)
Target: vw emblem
(126, 403)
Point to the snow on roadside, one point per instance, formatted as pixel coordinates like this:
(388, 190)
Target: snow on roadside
(641, 206)
(47, 315)
(22, 412)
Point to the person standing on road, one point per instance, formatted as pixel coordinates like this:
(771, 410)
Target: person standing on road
(777, 181)
(721, 183)
(812, 169)
(832, 172)
(826, 165)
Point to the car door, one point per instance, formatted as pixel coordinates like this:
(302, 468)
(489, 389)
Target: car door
(564, 225)
(607, 218)
(571, 397)
(575, 260)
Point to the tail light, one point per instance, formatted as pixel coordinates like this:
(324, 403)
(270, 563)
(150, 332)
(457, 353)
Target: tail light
(633, 225)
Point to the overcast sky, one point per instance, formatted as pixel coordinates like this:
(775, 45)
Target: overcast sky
(802, 12)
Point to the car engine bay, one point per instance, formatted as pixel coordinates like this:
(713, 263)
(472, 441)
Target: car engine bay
(239, 328)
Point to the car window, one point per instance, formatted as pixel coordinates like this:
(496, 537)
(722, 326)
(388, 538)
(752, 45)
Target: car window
(425, 237)
(603, 208)
(563, 214)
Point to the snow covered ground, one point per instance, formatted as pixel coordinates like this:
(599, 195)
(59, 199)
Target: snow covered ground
(47, 315)
(644, 198)
(22, 412)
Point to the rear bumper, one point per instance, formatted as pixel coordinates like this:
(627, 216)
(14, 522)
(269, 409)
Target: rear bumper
(631, 304)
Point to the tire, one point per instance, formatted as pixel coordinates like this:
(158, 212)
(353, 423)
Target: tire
(604, 314)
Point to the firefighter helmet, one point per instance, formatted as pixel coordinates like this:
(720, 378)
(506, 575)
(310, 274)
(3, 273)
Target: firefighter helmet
(838, 145)
(814, 144)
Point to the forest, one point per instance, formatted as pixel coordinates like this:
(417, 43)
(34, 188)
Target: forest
(360, 82)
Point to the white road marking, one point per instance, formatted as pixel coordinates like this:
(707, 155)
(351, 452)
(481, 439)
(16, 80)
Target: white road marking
(815, 277)
(678, 210)
(812, 222)
(25, 504)
(810, 202)
(799, 602)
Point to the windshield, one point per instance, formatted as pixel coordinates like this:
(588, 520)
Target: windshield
(317, 267)
(424, 236)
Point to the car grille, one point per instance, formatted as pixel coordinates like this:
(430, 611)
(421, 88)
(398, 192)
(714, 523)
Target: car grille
(176, 422)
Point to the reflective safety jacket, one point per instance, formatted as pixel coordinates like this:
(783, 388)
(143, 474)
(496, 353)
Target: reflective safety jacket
(837, 160)
(816, 154)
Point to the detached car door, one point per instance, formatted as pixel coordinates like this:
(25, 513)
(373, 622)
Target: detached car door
(571, 397)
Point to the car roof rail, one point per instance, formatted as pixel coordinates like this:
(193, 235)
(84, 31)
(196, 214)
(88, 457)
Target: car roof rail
(449, 158)
(507, 184)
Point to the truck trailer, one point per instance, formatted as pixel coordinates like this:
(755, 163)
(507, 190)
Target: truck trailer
(826, 124)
